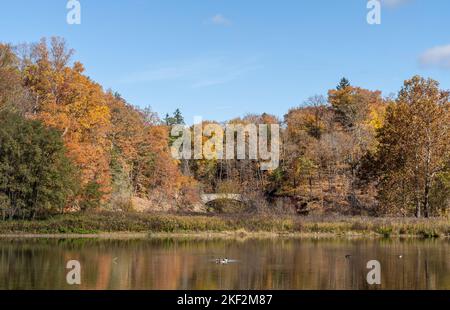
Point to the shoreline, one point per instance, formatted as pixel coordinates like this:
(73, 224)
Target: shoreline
(238, 235)
(104, 225)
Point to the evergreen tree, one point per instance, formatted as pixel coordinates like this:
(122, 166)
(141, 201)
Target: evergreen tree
(36, 176)
(178, 117)
(343, 84)
(175, 119)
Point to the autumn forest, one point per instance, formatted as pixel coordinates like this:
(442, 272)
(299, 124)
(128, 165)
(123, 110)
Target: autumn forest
(67, 145)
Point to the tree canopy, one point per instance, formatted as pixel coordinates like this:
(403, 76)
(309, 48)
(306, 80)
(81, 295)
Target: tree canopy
(68, 144)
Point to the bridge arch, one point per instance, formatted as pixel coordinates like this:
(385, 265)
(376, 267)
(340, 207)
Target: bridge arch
(207, 198)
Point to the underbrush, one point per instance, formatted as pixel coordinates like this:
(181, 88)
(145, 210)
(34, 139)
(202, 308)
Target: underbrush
(108, 222)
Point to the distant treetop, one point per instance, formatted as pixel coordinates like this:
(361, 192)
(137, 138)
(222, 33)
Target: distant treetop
(344, 83)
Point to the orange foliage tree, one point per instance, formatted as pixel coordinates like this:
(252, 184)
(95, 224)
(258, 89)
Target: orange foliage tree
(66, 99)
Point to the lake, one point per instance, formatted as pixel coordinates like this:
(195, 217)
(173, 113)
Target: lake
(187, 264)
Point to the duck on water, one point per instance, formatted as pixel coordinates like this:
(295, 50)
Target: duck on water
(224, 261)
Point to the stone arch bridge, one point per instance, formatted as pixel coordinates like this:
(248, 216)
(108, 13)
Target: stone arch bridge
(207, 198)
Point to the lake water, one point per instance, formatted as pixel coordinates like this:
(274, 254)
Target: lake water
(190, 264)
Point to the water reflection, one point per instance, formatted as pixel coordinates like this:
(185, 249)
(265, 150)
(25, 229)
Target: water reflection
(190, 264)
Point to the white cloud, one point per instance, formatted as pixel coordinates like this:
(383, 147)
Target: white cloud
(438, 56)
(219, 19)
(394, 3)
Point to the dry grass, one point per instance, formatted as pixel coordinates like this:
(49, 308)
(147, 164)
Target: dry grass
(108, 222)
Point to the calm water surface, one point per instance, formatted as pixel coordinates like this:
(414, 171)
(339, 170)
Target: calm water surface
(189, 264)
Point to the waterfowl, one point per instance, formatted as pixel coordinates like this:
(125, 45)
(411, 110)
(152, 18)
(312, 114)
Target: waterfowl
(222, 261)
(348, 256)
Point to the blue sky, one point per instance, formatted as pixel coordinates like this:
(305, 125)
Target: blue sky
(225, 58)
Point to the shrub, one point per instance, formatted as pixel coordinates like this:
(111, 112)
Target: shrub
(91, 196)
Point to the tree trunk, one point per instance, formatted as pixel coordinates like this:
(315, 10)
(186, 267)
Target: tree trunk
(426, 202)
(428, 177)
(417, 196)
(418, 210)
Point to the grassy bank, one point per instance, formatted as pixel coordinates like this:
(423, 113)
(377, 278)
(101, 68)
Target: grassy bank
(106, 222)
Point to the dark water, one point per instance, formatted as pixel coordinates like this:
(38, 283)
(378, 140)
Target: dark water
(189, 264)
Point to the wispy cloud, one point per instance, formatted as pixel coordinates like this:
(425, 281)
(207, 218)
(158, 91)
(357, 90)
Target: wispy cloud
(220, 20)
(394, 3)
(438, 56)
(223, 74)
(157, 74)
(195, 73)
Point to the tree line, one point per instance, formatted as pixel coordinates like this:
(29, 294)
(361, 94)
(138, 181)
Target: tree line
(66, 144)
